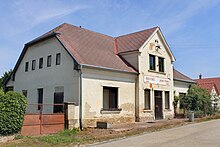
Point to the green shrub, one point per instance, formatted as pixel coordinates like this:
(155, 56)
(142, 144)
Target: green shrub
(12, 110)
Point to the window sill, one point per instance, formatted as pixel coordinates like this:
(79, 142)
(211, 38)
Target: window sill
(111, 111)
(154, 71)
(168, 109)
(148, 111)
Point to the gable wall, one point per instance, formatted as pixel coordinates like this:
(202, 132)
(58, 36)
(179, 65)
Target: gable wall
(48, 77)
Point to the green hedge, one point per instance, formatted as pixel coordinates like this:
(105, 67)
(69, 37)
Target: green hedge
(12, 110)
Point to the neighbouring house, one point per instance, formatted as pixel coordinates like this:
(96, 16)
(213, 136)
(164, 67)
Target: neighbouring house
(181, 85)
(116, 79)
(213, 87)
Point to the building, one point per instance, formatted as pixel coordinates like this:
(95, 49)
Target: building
(213, 87)
(122, 79)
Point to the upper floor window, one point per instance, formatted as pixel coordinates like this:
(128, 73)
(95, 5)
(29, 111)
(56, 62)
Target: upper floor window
(58, 56)
(33, 64)
(152, 62)
(40, 63)
(49, 58)
(161, 64)
(26, 66)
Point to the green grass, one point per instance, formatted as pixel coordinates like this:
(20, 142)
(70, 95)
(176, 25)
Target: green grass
(63, 137)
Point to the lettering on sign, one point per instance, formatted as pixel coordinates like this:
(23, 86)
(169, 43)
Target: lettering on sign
(154, 80)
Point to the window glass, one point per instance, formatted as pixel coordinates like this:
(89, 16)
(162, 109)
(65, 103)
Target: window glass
(26, 66)
(167, 100)
(147, 99)
(152, 62)
(41, 63)
(161, 64)
(110, 98)
(49, 61)
(40, 98)
(33, 64)
(58, 59)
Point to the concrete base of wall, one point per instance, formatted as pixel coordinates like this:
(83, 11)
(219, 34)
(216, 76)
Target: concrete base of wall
(92, 122)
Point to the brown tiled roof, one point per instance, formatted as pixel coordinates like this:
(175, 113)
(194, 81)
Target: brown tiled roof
(181, 77)
(90, 48)
(208, 84)
(133, 41)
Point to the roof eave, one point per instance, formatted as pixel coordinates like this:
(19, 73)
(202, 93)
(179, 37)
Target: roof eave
(181, 80)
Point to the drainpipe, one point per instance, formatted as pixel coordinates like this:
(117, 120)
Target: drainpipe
(80, 101)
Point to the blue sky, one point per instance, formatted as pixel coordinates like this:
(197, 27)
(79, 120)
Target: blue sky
(191, 27)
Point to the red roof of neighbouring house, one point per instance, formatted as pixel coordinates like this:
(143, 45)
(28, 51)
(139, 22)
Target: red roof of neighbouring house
(209, 83)
(178, 76)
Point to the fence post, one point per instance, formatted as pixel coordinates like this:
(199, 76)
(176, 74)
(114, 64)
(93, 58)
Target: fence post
(69, 115)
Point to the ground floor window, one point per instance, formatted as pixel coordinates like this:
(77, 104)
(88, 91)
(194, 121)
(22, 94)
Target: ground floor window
(147, 99)
(40, 98)
(110, 98)
(58, 101)
(24, 92)
(167, 100)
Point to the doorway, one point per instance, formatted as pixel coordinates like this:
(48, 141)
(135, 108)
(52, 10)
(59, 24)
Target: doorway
(158, 105)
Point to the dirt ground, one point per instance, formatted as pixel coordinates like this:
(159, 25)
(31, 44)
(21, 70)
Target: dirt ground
(94, 135)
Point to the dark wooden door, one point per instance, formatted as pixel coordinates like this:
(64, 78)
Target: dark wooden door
(158, 105)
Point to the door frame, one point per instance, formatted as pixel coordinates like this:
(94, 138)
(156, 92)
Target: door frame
(158, 105)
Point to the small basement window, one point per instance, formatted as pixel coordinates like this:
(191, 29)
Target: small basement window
(110, 98)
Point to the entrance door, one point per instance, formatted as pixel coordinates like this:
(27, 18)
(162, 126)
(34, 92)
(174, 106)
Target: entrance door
(158, 105)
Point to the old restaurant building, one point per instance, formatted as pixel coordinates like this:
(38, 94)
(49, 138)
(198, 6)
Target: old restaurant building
(115, 79)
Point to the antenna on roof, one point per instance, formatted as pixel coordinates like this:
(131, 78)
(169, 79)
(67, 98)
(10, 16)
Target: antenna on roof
(200, 76)
(80, 26)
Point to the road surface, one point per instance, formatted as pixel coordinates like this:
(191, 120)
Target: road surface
(205, 134)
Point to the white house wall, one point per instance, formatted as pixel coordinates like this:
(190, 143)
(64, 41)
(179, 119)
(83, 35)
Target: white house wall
(48, 77)
(93, 82)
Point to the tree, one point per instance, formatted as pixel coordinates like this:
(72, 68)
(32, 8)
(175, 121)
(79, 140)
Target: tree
(175, 103)
(199, 99)
(4, 77)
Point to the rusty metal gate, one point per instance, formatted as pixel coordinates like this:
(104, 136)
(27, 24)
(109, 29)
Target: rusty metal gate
(43, 119)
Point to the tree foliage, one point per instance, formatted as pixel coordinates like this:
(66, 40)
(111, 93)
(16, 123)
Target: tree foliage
(12, 110)
(4, 77)
(198, 99)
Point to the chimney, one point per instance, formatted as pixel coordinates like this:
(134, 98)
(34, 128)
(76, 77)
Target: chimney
(200, 76)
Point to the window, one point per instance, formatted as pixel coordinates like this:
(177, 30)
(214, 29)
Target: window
(40, 98)
(26, 66)
(33, 64)
(147, 99)
(24, 92)
(152, 62)
(161, 64)
(40, 63)
(110, 98)
(58, 99)
(58, 59)
(167, 100)
(49, 61)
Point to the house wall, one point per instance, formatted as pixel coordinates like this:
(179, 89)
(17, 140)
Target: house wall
(131, 58)
(181, 87)
(143, 59)
(47, 78)
(93, 82)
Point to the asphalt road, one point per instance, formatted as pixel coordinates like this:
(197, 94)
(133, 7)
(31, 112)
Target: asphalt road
(206, 134)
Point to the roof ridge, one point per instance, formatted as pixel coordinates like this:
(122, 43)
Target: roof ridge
(137, 32)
